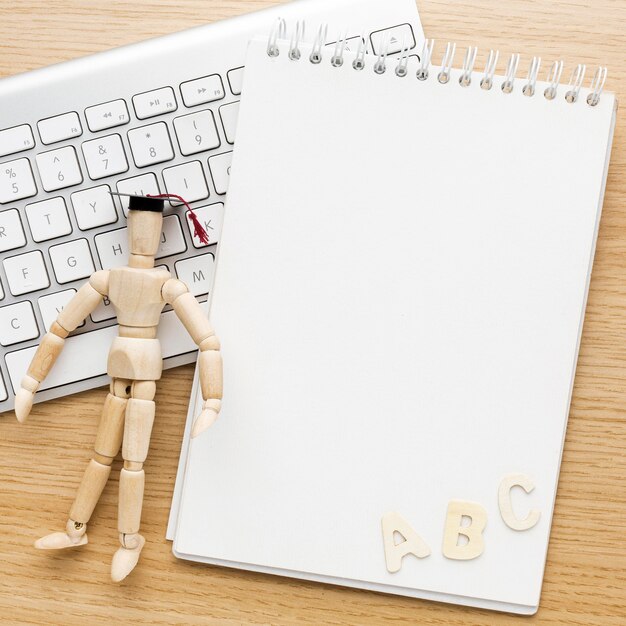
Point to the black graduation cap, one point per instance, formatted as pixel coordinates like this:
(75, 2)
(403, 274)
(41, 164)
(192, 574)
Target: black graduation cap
(142, 203)
(156, 204)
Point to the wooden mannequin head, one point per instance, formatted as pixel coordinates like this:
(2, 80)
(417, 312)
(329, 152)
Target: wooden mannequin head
(144, 232)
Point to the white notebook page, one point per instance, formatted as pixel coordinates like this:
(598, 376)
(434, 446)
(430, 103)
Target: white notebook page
(400, 291)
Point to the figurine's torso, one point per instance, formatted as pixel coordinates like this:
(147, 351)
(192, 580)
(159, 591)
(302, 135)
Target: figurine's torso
(136, 296)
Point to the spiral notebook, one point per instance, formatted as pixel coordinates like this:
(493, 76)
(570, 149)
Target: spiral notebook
(400, 294)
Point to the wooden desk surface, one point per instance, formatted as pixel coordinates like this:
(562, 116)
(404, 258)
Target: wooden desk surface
(42, 462)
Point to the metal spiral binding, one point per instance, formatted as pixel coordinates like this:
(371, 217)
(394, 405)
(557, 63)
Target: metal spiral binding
(597, 85)
(446, 64)
(554, 77)
(279, 30)
(294, 46)
(427, 53)
(337, 59)
(381, 63)
(468, 65)
(401, 68)
(575, 82)
(509, 76)
(529, 88)
(320, 40)
(359, 61)
(490, 70)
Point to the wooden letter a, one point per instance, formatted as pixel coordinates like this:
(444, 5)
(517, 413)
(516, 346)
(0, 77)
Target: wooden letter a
(413, 544)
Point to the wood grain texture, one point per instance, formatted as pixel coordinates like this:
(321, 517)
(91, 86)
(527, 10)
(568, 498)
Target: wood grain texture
(41, 463)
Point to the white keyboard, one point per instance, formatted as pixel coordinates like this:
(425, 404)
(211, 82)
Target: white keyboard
(158, 116)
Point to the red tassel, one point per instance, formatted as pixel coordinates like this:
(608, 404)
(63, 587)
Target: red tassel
(198, 229)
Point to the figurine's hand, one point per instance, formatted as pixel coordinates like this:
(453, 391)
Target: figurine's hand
(204, 420)
(23, 404)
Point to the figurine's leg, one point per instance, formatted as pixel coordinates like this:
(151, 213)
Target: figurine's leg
(108, 442)
(137, 431)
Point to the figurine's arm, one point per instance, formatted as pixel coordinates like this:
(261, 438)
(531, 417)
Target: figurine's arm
(194, 319)
(73, 314)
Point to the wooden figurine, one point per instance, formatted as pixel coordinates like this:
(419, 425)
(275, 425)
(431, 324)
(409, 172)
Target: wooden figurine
(138, 292)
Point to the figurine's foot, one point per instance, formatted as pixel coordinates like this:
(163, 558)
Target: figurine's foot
(125, 559)
(75, 535)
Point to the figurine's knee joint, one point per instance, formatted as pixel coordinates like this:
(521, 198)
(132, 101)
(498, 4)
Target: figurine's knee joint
(133, 466)
(121, 387)
(102, 459)
(143, 390)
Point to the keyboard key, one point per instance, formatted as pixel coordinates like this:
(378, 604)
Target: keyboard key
(155, 102)
(11, 230)
(113, 248)
(107, 115)
(202, 90)
(196, 132)
(59, 168)
(94, 207)
(16, 139)
(151, 144)
(235, 80)
(104, 311)
(186, 180)
(395, 36)
(17, 323)
(220, 170)
(197, 273)
(3, 390)
(1, 292)
(172, 239)
(143, 185)
(105, 157)
(48, 219)
(71, 261)
(60, 127)
(211, 218)
(229, 113)
(51, 305)
(85, 355)
(26, 273)
(16, 181)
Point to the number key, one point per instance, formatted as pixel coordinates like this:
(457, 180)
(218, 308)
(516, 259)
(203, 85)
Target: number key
(105, 156)
(59, 169)
(196, 132)
(16, 181)
(151, 144)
